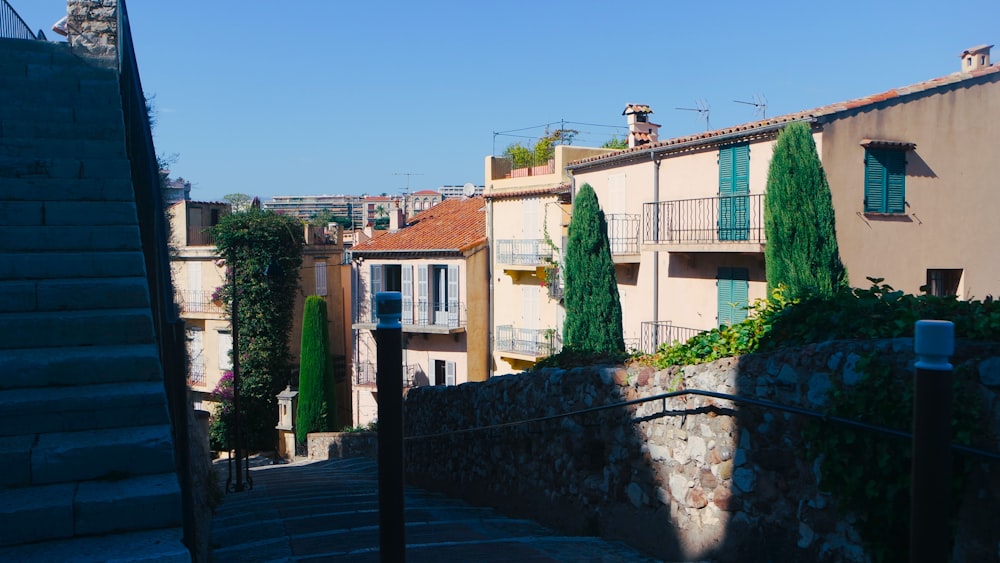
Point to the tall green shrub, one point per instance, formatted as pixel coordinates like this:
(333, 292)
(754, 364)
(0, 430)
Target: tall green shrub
(593, 308)
(316, 410)
(265, 249)
(801, 251)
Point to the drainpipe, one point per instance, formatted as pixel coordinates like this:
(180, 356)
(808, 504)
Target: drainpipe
(490, 271)
(656, 236)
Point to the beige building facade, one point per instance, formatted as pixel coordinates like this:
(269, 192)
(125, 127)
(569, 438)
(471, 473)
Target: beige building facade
(910, 180)
(528, 210)
(439, 263)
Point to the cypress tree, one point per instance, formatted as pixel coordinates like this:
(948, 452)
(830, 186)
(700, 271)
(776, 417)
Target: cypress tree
(593, 309)
(316, 410)
(801, 250)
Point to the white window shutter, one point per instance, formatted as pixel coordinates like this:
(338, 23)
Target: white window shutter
(423, 307)
(407, 283)
(453, 305)
(225, 347)
(449, 373)
(320, 271)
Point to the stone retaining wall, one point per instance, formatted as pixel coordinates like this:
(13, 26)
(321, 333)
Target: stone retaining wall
(684, 479)
(338, 445)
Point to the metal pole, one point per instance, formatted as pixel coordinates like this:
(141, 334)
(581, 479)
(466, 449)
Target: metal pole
(389, 382)
(237, 423)
(930, 488)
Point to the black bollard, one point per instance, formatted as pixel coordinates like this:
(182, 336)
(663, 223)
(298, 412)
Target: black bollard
(389, 382)
(930, 489)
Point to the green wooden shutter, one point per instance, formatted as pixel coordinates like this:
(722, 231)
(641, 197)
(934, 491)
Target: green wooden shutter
(895, 183)
(725, 191)
(741, 191)
(733, 295)
(874, 182)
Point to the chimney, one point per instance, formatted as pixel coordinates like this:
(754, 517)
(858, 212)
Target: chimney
(975, 58)
(640, 130)
(396, 220)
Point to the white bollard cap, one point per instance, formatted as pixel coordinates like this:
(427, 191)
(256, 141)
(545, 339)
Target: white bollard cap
(934, 343)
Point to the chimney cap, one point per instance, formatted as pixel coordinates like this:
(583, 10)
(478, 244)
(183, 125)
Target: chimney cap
(975, 50)
(636, 108)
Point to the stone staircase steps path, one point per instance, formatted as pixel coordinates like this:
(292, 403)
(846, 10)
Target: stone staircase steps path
(70, 366)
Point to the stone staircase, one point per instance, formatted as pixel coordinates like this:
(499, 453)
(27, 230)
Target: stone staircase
(87, 469)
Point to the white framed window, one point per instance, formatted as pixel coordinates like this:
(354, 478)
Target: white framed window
(320, 273)
(225, 349)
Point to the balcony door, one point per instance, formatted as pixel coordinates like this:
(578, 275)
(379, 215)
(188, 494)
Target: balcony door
(734, 192)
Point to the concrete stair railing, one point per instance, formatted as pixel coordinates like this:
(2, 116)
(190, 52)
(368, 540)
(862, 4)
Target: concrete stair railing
(85, 436)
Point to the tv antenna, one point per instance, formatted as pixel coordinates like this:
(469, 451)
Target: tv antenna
(759, 104)
(703, 110)
(407, 174)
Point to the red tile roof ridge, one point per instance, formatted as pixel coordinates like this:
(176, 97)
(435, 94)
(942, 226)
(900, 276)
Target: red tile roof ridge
(453, 225)
(820, 111)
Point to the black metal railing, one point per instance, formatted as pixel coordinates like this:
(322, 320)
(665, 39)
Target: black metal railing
(365, 373)
(554, 283)
(530, 252)
(171, 335)
(11, 24)
(199, 301)
(709, 220)
(196, 374)
(623, 233)
(657, 333)
(528, 341)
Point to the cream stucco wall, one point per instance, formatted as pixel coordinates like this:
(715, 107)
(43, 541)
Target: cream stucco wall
(951, 189)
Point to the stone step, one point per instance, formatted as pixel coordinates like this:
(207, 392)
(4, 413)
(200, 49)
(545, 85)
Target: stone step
(86, 93)
(60, 115)
(113, 453)
(64, 168)
(68, 295)
(68, 213)
(58, 69)
(84, 365)
(42, 410)
(156, 546)
(76, 328)
(90, 508)
(66, 147)
(56, 265)
(63, 238)
(67, 191)
(19, 127)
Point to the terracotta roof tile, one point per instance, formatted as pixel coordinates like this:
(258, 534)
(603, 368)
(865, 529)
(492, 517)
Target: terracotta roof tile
(821, 111)
(453, 225)
(426, 192)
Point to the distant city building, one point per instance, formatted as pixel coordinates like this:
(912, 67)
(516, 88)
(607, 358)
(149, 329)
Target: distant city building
(422, 201)
(448, 192)
(305, 207)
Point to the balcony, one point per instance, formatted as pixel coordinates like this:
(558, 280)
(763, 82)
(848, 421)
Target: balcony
(196, 374)
(198, 303)
(658, 333)
(198, 235)
(529, 257)
(531, 344)
(623, 234)
(366, 374)
(421, 316)
(711, 224)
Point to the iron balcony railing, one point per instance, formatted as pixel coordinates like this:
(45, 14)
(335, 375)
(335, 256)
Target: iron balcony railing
(623, 233)
(200, 236)
(529, 341)
(366, 374)
(657, 333)
(554, 282)
(425, 313)
(196, 374)
(530, 252)
(197, 301)
(709, 220)
(12, 26)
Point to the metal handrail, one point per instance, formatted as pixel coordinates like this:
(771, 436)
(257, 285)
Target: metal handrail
(523, 252)
(994, 456)
(145, 172)
(623, 233)
(530, 341)
(11, 24)
(656, 333)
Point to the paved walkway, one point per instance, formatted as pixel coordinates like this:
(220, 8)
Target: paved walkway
(328, 511)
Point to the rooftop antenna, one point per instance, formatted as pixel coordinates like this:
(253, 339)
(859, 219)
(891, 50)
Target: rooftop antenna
(406, 190)
(703, 110)
(759, 104)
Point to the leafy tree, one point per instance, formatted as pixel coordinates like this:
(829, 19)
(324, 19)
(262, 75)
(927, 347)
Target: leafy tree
(593, 309)
(543, 150)
(615, 143)
(381, 224)
(265, 249)
(316, 410)
(802, 251)
(238, 201)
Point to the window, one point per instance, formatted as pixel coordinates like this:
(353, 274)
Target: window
(444, 372)
(734, 192)
(734, 293)
(885, 180)
(943, 283)
(437, 295)
(225, 349)
(320, 272)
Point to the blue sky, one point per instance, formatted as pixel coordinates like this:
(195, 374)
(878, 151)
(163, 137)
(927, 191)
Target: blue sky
(329, 97)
